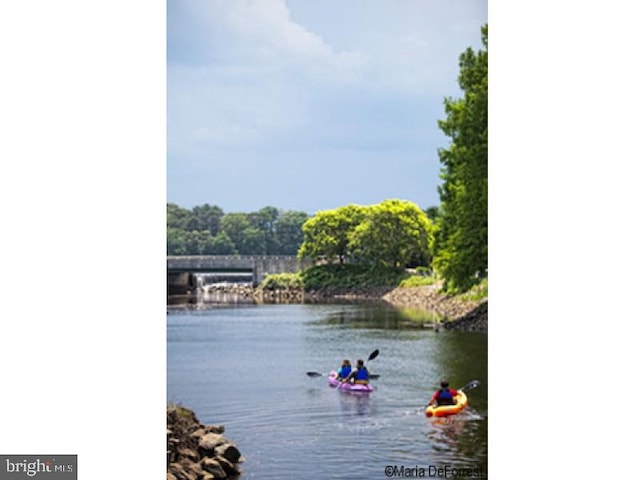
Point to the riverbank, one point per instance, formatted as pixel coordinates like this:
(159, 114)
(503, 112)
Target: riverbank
(196, 451)
(456, 312)
(459, 313)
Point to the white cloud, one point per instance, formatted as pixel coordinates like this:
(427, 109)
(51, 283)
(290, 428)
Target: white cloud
(265, 77)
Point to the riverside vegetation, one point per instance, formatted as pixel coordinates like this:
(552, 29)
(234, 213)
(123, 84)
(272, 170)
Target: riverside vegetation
(410, 290)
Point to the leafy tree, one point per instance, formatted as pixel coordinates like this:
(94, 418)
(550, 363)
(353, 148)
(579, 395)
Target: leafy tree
(394, 233)
(253, 242)
(265, 220)
(196, 242)
(221, 244)
(178, 217)
(433, 213)
(234, 225)
(327, 233)
(208, 217)
(176, 242)
(288, 234)
(461, 244)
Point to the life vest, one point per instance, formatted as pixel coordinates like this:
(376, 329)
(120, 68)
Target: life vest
(344, 371)
(362, 376)
(445, 397)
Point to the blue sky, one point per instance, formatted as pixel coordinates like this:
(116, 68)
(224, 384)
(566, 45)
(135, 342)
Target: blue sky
(308, 105)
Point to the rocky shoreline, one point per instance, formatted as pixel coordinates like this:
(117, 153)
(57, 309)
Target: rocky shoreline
(196, 451)
(456, 313)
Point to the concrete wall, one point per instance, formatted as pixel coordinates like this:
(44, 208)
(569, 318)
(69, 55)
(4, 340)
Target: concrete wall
(259, 265)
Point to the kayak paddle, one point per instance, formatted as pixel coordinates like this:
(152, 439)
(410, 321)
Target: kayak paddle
(372, 355)
(318, 374)
(471, 385)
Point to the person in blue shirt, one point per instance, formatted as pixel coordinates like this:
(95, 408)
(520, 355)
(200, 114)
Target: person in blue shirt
(359, 375)
(344, 370)
(444, 396)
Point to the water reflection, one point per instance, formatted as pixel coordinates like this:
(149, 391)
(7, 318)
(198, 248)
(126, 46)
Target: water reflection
(357, 403)
(381, 315)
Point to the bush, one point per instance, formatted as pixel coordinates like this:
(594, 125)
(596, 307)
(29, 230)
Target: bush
(281, 281)
(478, 292)
(418, 281)
(351, 276)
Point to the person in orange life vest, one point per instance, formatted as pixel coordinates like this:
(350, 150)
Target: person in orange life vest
(359, 375)
(344, 370)
(444, 396)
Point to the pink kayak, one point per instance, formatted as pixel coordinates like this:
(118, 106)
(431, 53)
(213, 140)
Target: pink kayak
(347, 387)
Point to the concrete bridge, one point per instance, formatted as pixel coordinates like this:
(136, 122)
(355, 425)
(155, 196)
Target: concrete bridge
(181, 269)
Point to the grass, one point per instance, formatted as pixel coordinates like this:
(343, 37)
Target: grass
(477, 292)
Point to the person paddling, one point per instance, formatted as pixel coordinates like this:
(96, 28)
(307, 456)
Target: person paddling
(444, 396)
(360, 375)
(344, 370)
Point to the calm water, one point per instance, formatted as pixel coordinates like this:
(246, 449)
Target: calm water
(244, 367)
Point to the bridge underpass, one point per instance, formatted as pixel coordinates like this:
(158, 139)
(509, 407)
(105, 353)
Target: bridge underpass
(185, 273)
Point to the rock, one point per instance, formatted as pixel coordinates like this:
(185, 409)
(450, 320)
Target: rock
(229, 452)
(228, 467)
(196, 451)
(209, 442)
(213, 467)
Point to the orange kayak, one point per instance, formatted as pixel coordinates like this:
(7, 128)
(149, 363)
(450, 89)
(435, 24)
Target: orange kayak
(446, 410)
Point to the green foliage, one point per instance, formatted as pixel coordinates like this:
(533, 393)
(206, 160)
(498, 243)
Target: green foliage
(461, 237)
(288, 232)
(207, 230)
(327, 233)
(478, 292)
(394, 233)
(418, 281)
(282, 281)
(351, 276)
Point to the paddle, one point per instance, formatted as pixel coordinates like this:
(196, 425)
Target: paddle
(372, 376)
(471, 385)
(373, 355)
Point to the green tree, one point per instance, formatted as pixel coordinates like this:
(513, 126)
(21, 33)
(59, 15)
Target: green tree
(461, 244)
(221, 244)
(178, 217)
(176, 241)
(253, 242)
(265, 220)
(327, 233)
(234, 225)
(197, 241)
(288, 234)
(394, 233)
(208, 217)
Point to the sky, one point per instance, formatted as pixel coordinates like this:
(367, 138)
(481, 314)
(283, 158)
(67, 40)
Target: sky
(309, 106)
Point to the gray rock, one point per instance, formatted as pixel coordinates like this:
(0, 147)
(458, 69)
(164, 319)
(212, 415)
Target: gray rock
(209, 442)
(213, 467)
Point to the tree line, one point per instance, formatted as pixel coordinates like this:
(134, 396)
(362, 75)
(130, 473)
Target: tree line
(208, 230)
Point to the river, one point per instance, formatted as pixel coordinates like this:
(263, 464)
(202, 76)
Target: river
(244, 367)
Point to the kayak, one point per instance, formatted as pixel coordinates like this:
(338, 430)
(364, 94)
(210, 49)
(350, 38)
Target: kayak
(348, 387)
(446, 410)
